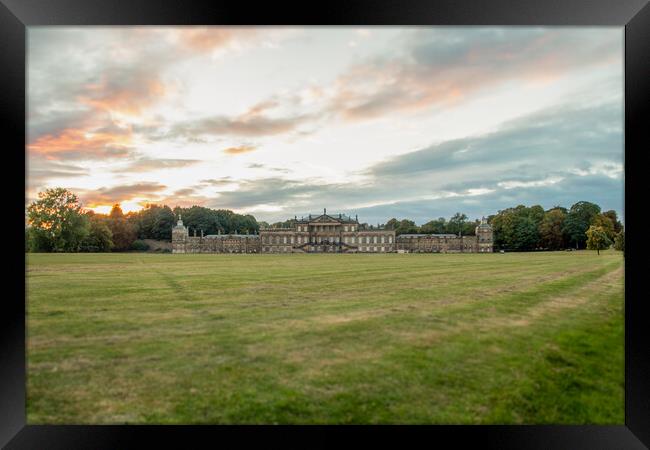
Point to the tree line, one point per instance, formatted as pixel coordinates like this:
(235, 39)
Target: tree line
(581, 226)
(56, 222)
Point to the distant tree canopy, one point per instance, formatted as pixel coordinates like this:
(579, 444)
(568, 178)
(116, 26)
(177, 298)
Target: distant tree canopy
(529, 228)
(215, 221)
(518, 228)
(457, 223)
(154, 222)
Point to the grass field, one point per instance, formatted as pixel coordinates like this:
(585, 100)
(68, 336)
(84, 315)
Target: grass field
(416, 338)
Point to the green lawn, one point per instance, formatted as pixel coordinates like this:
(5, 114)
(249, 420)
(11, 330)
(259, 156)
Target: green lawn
(414, 338)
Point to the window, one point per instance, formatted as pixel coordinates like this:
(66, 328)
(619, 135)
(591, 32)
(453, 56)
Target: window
(374, 239)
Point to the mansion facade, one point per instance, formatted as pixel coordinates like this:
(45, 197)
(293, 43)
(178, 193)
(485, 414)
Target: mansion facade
(330, 234)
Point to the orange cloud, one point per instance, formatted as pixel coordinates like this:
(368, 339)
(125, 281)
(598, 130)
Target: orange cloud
(240, 149)
(119, 194)
(205, 39)
(82, 143)
(128, 97)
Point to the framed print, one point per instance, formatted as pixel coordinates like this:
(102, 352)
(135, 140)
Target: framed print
(401, 221)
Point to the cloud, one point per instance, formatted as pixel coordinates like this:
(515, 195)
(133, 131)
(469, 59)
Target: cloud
(185, 192)
(513, 184)
(204, 39)
(149, 164)
(124, 90)
(218, 181)
(89, 112)
(443, 66)
(118, 194)
(256, 126)
(42, 172)
(555, 139)
(86, 142)
(559, 155)
(240, 149)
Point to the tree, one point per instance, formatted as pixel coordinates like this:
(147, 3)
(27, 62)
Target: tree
(456, 222)
(526, 235)
(123, 231)
(618, 226)
(550, 229)
(406, 227)
(619, 242)
(469, 228)
(100, 238)
(597, 239)
(214, 221)
(56, 221)
(438, 226)
(606, 223)
(578, 221)
(154, 222)
(503, 226)
(392, 224)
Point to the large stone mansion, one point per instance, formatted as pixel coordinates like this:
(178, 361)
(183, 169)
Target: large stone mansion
(330, 234)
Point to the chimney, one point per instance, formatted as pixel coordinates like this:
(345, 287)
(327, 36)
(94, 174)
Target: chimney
(324, 210)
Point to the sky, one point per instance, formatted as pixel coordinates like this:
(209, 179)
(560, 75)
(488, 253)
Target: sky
(382, 122)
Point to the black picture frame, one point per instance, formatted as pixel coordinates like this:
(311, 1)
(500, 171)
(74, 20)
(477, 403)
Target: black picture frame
(634, 15)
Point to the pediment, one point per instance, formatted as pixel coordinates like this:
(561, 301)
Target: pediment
(324, 218)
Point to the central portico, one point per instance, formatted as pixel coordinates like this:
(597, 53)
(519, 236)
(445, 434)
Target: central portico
(326, 234)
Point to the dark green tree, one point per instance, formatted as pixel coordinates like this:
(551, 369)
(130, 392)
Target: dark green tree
(100, 238)
(392, 224)
(526, 234)
(578, 221)
(123, 231)
(437, 226)
(456, 223)
(406, 227)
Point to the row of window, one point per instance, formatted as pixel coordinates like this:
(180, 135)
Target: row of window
(277, 249)
(361, 249)
(326, 228)
(321, 239)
